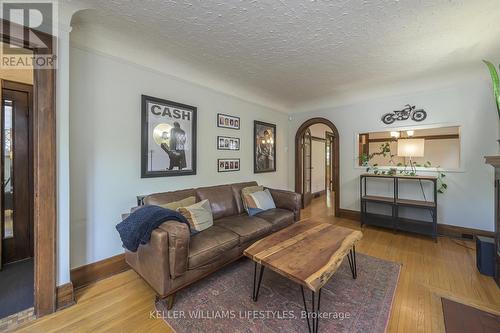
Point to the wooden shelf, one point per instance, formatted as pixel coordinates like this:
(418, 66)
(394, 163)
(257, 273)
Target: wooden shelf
(395, 221)
(376, 198)
(372, 175)
(415, 203)
(400, 202)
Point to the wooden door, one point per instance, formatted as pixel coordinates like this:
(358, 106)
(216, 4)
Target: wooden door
(15, 174)
(306, 168)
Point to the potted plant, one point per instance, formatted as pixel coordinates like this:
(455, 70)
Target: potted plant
(496, 83)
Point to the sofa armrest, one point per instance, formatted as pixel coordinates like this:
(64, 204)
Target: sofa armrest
(178, 246)
(164, 257)
(287, 200)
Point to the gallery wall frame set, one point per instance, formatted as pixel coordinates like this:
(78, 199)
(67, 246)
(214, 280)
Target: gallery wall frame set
(228, 164)
(228, 143)
(168, 138)
(227, 121)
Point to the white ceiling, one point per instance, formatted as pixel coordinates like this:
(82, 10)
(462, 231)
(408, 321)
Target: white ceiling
(302, 50)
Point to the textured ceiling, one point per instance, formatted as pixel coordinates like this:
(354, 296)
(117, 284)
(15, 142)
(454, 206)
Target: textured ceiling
(301, 50)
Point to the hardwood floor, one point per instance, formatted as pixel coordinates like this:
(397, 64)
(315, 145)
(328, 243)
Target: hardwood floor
(429, 270)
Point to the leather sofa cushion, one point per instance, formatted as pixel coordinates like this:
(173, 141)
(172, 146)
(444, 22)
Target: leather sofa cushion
(221, 200)
(279, 218)
(209, 245)
(249, 228)
(167, 197)
(237, 194)
(181, 203)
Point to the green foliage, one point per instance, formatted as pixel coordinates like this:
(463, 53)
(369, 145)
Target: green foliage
(407, 170)
(496, 83)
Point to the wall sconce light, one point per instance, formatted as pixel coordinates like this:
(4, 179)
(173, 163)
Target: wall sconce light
(410, 133)
(395, 135)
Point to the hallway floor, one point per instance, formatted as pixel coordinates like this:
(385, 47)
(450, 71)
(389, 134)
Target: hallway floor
(122, 303)
(16, 287)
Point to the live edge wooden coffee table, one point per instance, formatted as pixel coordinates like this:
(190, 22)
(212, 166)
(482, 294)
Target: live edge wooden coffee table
(308, 253)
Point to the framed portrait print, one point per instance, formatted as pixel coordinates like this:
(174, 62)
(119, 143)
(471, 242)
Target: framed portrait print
(168, 138)
(228, 143)
(228, 164)
(227, 121)
(264, 147)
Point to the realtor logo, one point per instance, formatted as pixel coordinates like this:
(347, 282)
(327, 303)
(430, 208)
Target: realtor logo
(30, 25)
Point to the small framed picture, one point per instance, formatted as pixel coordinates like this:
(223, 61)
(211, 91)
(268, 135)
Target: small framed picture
(228, 164)
(227, 121)
(228, 143)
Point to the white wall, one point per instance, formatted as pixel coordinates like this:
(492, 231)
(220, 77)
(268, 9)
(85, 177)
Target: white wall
(318, 157)
(319, 130)
(105, 131)
(467, 102)
(318, 166)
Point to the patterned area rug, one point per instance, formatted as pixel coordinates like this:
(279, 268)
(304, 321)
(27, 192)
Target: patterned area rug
(222, 302)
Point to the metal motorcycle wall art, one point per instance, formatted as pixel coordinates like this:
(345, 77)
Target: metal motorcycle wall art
(407, 112)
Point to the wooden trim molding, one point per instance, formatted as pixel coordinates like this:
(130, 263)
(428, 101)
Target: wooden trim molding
(317, 138)
(335, 172)
(87, 274)
(44, 165)
(65, 296)
(350, 214)
(426, 137)
(318, 194)
(455, 231)
(443, 229)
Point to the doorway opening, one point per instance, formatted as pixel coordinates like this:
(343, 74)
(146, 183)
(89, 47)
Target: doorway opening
(28, 172)
(317, 161)
(17, 195)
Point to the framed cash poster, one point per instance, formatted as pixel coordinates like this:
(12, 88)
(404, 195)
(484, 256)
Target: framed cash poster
(264, 154)
(168, 138)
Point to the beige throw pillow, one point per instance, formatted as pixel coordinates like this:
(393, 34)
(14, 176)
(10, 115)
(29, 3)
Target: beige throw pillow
(245, 194)
(259, 201)
(198, 215)
(181, 203)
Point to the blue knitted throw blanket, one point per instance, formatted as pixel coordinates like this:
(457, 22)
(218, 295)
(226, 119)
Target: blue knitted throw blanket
(137, 227)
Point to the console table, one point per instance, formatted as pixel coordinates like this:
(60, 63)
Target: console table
(394, 221)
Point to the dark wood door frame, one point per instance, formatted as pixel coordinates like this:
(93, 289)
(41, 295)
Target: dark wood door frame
(329, 139)
(335, 160)
(44, 171)
(16, 87)
(306, 196)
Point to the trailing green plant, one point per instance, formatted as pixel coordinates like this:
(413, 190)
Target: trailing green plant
(496, 83)
(402, 169)
(385, 150)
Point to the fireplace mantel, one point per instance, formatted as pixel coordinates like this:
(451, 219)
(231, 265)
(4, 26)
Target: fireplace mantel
(493, 160)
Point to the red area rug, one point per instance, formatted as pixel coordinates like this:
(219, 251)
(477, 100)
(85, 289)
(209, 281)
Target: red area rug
(222, 302)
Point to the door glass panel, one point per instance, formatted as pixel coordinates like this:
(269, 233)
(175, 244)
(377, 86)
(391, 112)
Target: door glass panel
(328, 159)
(8, 153)
(307, 162)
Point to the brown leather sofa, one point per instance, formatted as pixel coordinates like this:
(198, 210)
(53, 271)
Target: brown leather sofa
(173, 259)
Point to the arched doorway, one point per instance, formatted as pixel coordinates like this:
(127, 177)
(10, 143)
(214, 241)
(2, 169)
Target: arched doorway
(303, 133)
